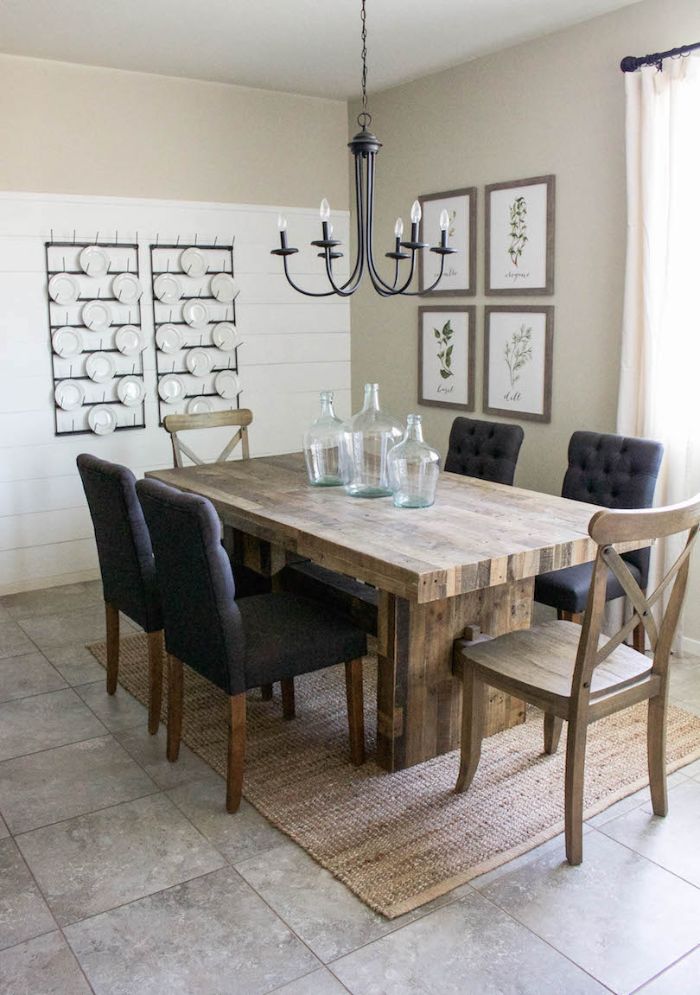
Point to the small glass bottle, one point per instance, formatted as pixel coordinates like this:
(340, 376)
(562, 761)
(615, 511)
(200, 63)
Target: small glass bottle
(414, 467)
(323, 446)
(369, 437)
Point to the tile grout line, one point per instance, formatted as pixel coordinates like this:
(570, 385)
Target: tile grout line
(665, 969)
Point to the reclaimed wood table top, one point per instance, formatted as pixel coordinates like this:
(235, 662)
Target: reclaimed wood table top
(477, 534)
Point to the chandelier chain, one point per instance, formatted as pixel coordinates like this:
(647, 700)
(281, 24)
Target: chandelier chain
(366, 116)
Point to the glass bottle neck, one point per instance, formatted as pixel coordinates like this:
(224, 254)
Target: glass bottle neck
(371, 402)
(414, 428)
(327, 405)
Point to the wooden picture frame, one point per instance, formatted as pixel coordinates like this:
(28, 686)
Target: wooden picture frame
(519, 237)
(518, 385)
(459, 276)
(458, 359)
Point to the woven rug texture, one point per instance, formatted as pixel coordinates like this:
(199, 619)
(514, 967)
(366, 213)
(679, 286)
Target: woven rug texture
(400, 840)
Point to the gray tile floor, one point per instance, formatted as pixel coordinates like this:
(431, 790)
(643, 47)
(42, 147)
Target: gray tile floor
(121, 873)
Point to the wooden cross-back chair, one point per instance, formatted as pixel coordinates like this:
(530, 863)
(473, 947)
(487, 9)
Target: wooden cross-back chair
(574, 673)
(240, 418)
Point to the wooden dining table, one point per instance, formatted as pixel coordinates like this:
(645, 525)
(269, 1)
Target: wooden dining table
(467, 563)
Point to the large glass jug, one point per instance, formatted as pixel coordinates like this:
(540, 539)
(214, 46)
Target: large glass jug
(414, 467)
(323, 446)
(370, 436)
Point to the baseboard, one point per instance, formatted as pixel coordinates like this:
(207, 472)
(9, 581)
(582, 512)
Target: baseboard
(57, 580)
(691, 646)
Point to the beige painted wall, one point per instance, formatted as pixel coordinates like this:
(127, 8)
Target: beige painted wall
(75, 129)
(554, 105)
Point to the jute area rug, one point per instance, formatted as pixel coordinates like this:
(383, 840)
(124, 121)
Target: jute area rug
(399, 840)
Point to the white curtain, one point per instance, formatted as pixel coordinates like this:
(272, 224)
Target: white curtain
(660, 373)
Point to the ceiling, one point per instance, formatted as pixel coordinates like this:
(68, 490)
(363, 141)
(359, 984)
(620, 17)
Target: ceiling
(299, 46)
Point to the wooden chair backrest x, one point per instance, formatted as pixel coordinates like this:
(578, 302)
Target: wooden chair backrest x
(608, 528)
(240, 418)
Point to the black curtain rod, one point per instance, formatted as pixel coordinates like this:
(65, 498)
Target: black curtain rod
(631, 63)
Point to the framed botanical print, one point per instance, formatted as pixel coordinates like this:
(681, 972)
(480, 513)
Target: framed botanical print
(520, 237)
(446, 356)
(518, 361)
(459, 275)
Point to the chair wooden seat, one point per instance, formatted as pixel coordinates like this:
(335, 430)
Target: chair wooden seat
(575, 673)
(544, 658)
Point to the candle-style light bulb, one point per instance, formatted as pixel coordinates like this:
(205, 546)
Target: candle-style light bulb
(416, 212)
(281, 223)
(444, 220)
(398, 228)
(325, 210)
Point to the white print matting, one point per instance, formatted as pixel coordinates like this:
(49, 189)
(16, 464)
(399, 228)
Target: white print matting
(520, 237)
(518, 361)
(446, 349)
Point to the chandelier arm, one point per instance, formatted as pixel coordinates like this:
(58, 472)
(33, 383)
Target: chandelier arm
(306, 293)
(380, 285)
(352, 283)
(433, 285)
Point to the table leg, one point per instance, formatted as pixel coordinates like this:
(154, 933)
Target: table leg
(418, 699)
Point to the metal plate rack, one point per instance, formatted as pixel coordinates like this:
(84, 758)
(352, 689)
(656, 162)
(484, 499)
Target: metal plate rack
(64, 257)
(166, 258)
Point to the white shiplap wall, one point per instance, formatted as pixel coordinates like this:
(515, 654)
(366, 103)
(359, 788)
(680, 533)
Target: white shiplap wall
(293, 348)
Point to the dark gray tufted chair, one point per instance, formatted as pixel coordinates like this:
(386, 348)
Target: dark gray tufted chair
(127, 568)
(484, 449)
(237, 645)
(615, 472)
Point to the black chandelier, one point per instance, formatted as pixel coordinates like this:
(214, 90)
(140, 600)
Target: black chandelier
(364, 148)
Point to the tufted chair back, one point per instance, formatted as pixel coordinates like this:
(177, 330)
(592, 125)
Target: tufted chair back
(202, 622)
(123, 543)
(615, 472)
(484, 449)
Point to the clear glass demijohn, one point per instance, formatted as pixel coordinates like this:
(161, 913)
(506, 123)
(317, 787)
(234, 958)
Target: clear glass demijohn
(414, 467)
(370, 436)
(323, 446)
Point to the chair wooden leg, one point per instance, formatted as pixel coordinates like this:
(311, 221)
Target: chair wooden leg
(236, 752)
(356, 711)
(552, 732)
(573, 795)
(562, 615)
(112, 625)
(473, 708)
(288, 709)
(639, 638)
(266, 692)
(656, 753)
(155, 679)
(175, 690)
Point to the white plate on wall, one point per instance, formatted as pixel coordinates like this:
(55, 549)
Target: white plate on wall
(69, 394)
(101, 419)
(94, 261)
(225, 336)
(67, 342)
(171, 388)
(199, 362)
(131, 391)
(195, 314)
(193, 262)
(167, 288)
(100, 366)
(64, 288)
(223, 287)
(169, 338)
(127, 288)
(97, 316)
(227, 384)
(130, 340)
(199, 406)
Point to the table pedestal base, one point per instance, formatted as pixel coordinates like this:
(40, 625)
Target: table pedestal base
(418, 698)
